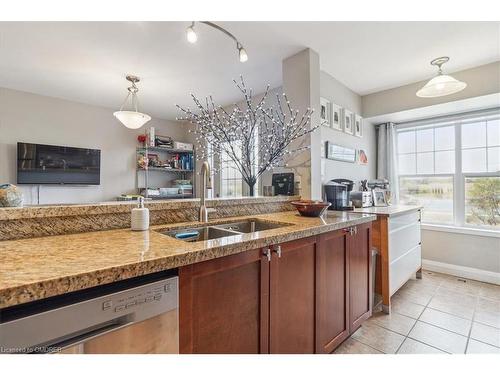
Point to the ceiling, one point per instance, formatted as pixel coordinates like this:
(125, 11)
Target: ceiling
(87, 61)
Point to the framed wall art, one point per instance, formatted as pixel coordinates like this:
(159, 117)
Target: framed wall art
(337, 117)
(358, 126)
(348, 122)
(325, 112)
(340, 153)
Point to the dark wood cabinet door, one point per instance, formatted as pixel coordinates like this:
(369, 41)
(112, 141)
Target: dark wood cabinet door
(224, 305)
(292, 301)
(360, 280)
(332, 291)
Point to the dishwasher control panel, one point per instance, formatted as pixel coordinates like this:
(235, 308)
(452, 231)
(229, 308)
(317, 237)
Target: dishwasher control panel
(148, 294)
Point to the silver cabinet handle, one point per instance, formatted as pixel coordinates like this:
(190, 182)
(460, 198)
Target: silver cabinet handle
(267, 253)
(277, 250)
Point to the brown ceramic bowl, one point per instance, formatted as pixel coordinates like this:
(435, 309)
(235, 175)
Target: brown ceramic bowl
(311, 208)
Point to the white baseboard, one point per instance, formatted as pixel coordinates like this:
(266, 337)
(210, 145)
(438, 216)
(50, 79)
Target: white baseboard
(461, 271)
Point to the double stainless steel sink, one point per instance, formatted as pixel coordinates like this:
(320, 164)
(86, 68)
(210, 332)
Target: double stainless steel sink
(214, 231)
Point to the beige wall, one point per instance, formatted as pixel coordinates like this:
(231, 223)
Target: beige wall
(34, 118)
(482, 80)
(341, 95)
(301, 81)
(462, 250)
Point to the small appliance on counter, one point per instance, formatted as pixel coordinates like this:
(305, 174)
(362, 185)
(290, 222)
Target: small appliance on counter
(283, 184)
(337, 192)
(361, 199)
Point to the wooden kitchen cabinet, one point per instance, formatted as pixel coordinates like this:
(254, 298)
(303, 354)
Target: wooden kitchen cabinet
(360, 280)
(224, 305)
(343, 286)
(332, 292)
(292, 302)
(303, 296)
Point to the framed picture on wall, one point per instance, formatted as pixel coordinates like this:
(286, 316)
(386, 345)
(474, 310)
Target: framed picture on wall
(325, 112)
(358, 126)
(340, 153)
(348, 122)
(337, 117)
(362, 157)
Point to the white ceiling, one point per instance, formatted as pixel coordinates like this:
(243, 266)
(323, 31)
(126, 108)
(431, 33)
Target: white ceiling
(87, 61)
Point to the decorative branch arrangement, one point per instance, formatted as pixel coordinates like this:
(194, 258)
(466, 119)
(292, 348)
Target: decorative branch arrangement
(255, 137)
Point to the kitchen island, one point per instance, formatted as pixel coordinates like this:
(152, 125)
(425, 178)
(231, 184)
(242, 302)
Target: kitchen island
(303, 286)
(397, 237)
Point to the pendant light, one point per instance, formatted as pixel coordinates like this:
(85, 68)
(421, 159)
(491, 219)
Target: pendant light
(442, 84)
(132, 119)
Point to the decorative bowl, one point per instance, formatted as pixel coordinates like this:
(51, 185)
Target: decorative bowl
(311, 208)
(10, 196)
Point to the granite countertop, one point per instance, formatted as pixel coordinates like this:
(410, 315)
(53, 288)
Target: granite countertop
(36, 268)
(391, 210)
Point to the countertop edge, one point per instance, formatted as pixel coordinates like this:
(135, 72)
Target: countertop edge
(372, 210)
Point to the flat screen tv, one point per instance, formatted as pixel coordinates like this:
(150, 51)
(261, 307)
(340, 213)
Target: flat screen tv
(46, 164)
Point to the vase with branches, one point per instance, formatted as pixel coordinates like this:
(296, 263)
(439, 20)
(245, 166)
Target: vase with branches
(254, 136)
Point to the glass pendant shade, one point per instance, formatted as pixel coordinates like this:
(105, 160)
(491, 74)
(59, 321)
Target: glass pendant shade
(441, 85)
(132, 119)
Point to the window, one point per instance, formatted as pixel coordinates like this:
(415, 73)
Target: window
(453, 170)
(426, 159)
(482, 201)
(231, 181)
(434, 193)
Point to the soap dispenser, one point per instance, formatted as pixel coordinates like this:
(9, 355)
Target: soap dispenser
(140, 216)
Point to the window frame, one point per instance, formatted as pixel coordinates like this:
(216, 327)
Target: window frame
(459, 177)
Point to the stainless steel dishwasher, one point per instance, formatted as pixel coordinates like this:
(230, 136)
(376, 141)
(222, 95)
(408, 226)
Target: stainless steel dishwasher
(138, 315)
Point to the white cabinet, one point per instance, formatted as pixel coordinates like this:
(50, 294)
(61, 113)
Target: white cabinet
(405, 254)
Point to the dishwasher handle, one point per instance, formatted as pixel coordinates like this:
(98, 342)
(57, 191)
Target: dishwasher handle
(80, 337)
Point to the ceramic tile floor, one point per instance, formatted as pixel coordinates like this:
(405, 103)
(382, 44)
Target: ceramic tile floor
(437, 314)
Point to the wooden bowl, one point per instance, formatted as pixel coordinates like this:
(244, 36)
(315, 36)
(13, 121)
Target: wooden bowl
(311, 208)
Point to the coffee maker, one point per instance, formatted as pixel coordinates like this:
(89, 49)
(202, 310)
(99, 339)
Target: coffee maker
(337, 193)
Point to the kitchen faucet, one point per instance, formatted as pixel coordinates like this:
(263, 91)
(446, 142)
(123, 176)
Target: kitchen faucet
(206, 183)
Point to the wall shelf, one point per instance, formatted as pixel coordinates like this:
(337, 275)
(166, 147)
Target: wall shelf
(164, 149)
(169, 174)
(160, 169)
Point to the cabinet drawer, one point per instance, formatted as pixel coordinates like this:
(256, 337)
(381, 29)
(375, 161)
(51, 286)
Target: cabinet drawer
(403, 239)
(403, 268)
(397, 222)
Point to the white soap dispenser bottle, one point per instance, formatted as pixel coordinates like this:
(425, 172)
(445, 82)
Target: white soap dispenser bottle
(140, 216)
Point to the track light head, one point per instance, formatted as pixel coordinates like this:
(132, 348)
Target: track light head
(191, 34)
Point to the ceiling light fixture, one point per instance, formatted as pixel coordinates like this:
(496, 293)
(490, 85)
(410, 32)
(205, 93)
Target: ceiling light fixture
(191, 34)
(442, 84)
(132, 119)
(192, 37)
